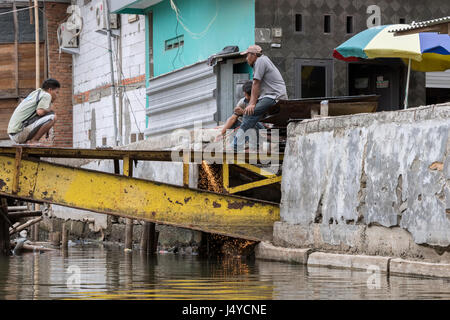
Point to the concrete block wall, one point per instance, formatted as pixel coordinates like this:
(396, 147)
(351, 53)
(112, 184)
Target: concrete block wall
(385, 176)
(93, 108)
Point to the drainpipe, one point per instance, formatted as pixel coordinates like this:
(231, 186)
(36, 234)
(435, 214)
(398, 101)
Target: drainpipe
(113, 83)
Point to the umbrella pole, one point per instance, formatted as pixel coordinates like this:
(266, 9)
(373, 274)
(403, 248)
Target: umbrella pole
(407, 84)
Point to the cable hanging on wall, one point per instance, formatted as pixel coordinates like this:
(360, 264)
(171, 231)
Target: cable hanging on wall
(194, 34)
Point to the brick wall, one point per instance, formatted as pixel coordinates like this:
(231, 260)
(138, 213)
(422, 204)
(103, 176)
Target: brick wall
(60, 68)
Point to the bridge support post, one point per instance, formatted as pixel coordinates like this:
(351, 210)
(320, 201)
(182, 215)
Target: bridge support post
(4, 228)
(128, 171)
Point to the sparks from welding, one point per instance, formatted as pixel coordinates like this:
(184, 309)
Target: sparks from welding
(211, 178)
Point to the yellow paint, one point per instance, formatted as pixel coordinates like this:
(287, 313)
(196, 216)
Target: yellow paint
(141, 199)
(270, 178)
(257, 170)
(226, 176)
(256, 184)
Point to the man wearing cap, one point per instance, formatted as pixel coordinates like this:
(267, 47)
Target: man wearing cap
(268, 87)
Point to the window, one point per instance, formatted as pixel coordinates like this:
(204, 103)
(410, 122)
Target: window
(349, 24)
(298, 23)
(327, 24)
(402, 21)
(174, 43)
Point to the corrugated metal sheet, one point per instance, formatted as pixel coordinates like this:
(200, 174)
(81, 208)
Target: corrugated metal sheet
(438, 79)
(422, 24)
(180, 98)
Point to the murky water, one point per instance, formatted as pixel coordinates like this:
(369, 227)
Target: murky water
(106, 272)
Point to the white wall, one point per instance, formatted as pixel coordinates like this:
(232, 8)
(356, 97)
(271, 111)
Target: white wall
(91, 71)
(438, 79)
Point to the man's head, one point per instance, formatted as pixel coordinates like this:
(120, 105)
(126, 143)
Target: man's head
(253, 52)
(52, 86)
(247, 88)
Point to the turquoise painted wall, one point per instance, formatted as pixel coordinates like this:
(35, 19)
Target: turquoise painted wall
(234, 25)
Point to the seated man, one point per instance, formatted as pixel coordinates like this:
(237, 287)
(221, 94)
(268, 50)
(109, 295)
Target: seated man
(233, 122)
(34, 116)
(268, 87)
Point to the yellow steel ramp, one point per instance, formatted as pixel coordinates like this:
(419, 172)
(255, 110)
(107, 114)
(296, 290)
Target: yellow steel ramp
(39, 181)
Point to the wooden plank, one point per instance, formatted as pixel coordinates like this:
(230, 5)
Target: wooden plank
(340, 109)
(4, 230)
(16, 48)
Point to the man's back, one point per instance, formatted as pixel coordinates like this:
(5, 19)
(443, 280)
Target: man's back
(272, 83)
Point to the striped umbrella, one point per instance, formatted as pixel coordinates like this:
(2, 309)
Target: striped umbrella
(425, 51)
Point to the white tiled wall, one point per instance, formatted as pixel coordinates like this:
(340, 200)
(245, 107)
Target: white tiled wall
(91, 70)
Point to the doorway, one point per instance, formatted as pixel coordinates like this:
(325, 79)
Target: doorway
(313, 78)
(383, 79)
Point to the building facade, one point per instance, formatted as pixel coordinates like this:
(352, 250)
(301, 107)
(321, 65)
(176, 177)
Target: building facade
(18, 66)
(312, 29)
(159, 44)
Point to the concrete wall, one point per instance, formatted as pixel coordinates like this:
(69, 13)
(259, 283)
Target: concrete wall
(93, 110)
(383, 177)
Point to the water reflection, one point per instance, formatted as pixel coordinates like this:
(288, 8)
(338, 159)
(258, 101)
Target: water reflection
(110, 273)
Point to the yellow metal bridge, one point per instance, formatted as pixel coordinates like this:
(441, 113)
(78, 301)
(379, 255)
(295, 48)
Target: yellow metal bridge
(23, 175)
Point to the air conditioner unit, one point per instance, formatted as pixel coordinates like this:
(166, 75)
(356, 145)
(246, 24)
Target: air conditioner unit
(100, 18)
(67, 38)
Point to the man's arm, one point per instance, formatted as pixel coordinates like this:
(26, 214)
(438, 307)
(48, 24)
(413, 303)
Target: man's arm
(254, 98)
(43, 112)
(44, 106)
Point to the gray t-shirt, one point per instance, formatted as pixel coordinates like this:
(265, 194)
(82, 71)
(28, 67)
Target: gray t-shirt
(272, 83)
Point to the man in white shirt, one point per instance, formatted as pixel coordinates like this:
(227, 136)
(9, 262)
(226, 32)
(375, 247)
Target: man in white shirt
(34, 116)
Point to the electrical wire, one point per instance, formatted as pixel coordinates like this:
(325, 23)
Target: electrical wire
(17, 10)
(194, 34)
(178, 48)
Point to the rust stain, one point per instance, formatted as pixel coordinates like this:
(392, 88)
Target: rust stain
(153, 213)
(178, 202)
(239, 205)
(439, 166)
(216, 205)
(2, 184)
(186, 200)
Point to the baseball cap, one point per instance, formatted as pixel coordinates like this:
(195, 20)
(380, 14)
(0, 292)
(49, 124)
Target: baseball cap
(252, 49)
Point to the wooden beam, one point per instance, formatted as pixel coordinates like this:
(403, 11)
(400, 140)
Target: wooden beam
(16, 48)
(128, 171)
(24, 214)
(4, 234)
(17, 208)
(30, 3)
(24, 226)
(38, 47)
